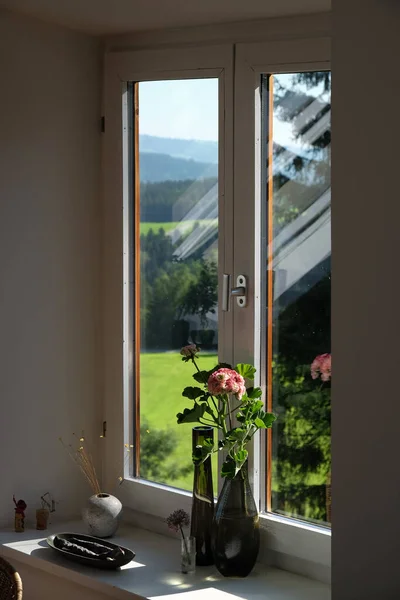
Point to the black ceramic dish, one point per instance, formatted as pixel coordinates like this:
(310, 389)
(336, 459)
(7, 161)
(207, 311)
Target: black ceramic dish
(121, 558)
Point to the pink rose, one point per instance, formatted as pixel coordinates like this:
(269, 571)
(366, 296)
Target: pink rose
(321, 367)
(226, 381)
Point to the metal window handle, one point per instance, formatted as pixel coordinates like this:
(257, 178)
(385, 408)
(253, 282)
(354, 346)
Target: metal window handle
(240, 291)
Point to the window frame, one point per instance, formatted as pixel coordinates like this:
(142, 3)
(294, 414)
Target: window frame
(121, 68)
(299, 540)
(288, 543)
(252, 61)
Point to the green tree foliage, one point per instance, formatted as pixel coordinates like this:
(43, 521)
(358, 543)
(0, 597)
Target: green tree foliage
(168, 290)
(202, 296)
(165, 201)
(156, 446)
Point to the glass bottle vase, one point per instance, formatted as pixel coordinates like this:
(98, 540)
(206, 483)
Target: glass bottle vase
(203, 500)
(236, 533)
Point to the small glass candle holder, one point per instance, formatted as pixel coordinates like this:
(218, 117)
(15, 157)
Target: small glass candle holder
(42, 517)
(188, 554)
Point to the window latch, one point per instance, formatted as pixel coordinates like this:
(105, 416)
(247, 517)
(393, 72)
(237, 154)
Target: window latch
(239, 292)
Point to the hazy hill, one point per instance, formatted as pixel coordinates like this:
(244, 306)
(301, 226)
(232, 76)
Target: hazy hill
(201, 151)
(163, 167)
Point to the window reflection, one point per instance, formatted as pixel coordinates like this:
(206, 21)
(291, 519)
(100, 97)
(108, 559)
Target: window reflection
(299, 255)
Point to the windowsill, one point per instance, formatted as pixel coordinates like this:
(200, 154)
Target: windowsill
(155, 571)
(291, 545)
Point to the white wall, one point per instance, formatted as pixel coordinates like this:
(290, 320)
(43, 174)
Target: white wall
(366, 300)
(50, 382)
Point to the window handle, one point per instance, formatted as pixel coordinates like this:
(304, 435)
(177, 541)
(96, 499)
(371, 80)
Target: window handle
(240, 291)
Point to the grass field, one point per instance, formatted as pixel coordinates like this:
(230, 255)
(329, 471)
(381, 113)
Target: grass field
(162, 379)
(169, 226)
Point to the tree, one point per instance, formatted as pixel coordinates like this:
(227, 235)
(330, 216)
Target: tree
(156, 446)
(201, 298)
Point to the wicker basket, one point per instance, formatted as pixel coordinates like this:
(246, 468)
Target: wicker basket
(10, 582)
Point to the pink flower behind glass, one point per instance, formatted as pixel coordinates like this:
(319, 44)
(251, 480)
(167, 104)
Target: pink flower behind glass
(226, 381)
(190, 351)
(321, 367)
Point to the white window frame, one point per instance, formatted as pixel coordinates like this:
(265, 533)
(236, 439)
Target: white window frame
(148, 65)
(294, 544)
(290, 544)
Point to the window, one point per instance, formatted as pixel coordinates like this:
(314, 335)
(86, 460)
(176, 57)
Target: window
(224, 170)
(296, 184)
(177, 263)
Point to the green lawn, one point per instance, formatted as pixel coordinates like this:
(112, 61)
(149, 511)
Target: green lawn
(162, 379)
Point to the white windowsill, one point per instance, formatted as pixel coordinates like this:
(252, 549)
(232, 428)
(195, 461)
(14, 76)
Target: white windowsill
(288, 544)
(155, 571)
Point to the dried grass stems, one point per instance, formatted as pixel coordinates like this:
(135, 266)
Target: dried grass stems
(84, 460)
(82, 457)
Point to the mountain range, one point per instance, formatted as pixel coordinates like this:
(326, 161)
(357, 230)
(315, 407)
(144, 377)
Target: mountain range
(199, 150)
(170, 159)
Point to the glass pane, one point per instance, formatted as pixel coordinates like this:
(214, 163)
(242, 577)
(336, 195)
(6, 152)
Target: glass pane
(178, 166)
(298, 200)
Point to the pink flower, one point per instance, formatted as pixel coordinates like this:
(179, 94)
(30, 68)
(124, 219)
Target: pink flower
(321, 367)
(226, 381)
(190, 351)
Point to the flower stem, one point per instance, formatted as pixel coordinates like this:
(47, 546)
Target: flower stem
(217, 419)
(229, 412)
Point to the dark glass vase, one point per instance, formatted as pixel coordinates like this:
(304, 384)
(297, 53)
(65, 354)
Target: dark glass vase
(203, 501)
(236, 533)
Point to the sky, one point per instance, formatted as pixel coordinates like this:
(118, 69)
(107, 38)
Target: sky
(188, 109)
(185, 109)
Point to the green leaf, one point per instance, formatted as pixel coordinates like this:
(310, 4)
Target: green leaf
(202, 452)
(201, 376)
(259, 423)
(254, 393)
(268, 419)
(228, 469)
(238, 433)
(191, 415)
(254, 407)
(192, 392)
(246, 371)
(241, 457)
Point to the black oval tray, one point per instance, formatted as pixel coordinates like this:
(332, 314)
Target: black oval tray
(98, 563)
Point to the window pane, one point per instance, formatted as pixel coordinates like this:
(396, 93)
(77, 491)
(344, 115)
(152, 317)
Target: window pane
(297, 111)
(178, 166)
